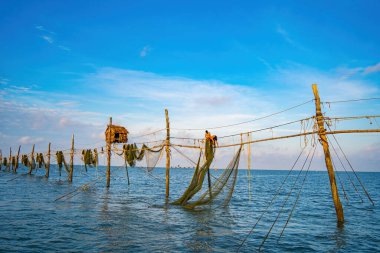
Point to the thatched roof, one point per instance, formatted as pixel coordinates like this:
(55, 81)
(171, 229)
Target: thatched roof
(116, 134)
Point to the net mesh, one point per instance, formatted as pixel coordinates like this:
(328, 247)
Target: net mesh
(132, 154)
(221, 191)
(225, 183)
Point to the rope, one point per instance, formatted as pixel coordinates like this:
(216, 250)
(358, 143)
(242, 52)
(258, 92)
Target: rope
(244, 122)
(285, 137)
(344, 154)
(352, 182)
(295, 203)
(214, 177)
(143, 135)
(350, 100)
(290, 192)
(352, 117)
(341, 184)
(77, 189)
(273, 198)
(253, 131)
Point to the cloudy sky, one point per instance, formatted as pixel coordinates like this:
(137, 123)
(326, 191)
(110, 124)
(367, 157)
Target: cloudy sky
(67, 66)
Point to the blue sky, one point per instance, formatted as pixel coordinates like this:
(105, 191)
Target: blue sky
(66, 66)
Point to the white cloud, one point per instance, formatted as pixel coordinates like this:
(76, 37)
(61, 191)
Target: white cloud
(137, 100)
(372, 69)
(285, 35)
(43, 29)
(350, 72)
(48, 39)
(30, 140)
(145, 51)
(4, 81)
(64, 48)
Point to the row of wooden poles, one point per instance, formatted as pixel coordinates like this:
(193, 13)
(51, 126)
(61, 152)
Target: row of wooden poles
(46, 164)
(322, 138)
(321, 132)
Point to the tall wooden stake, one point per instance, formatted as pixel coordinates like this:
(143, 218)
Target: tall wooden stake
(47, 165)
(329, 166)
(1, 159)
(167, 153)
(108, 173)
(31, 164)
(10, 159)
(71, 160)
(17, 158)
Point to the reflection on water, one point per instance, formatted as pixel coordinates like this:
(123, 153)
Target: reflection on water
(135, 218)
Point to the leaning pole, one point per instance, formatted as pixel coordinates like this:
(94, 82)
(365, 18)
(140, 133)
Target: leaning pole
(329, 166)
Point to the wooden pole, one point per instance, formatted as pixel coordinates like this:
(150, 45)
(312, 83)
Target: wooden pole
(17, 158)
(47, 165)
(108, 173)
(10, 159)
(167, 153)
(1, 159)
(71, 160)
(31, 164)
(329, 166)
(126, 169)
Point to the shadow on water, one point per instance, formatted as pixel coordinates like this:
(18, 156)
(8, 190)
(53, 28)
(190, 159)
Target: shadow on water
(339, 237)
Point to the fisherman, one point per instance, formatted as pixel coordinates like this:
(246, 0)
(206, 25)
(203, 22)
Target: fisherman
(212, 138)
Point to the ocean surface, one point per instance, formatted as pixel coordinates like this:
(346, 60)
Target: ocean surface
(135, 218)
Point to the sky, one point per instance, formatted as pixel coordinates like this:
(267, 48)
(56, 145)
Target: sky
(67, 66)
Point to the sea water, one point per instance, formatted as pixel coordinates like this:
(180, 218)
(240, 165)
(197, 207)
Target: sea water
(135, 218)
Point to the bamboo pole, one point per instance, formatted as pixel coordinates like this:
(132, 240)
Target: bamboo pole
(108, 173)
(17, 159)
(329, 166)
(31, 164)
(71, 160)
(286, 137)
(167, 153)
(47, 165)
(10, 159)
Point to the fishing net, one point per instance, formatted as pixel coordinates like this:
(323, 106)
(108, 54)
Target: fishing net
(25, 160)
(89, 158)
(152, 156)
(32, 164)
(13, 162)
(61, 160)
(221, 191)
(132, 154)
(225, 183)
(40, 160)
(198, 176)
(96, 158)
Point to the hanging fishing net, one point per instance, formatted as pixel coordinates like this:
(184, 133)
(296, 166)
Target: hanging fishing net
(40, 160)
(220, 192)
(199, 174)
(133, 154)
(152, 156)
(61, 160)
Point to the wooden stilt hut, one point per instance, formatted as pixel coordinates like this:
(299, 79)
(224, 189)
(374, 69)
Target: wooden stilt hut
(116, 134)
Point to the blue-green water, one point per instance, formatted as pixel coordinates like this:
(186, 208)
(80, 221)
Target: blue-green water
(134, 218)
